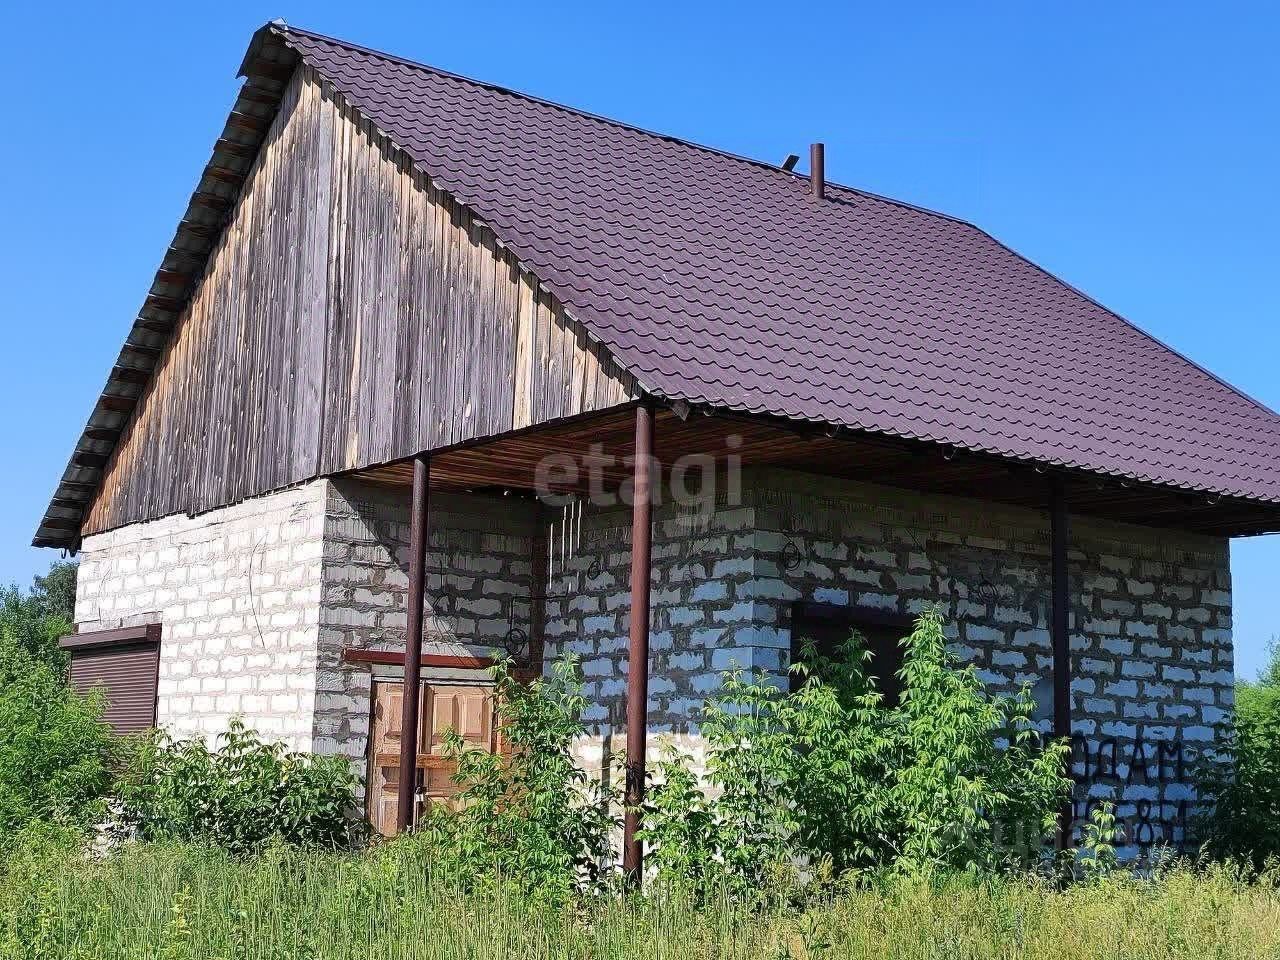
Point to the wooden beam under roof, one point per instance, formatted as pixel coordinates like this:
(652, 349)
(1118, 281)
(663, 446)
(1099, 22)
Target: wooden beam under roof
(271, 69)
(511, 462)
(225, 174)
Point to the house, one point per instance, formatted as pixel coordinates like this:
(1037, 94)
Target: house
(434, 371)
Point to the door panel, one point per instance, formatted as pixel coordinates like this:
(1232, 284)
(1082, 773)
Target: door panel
(467, 708)
(469, 711)
(384, 778)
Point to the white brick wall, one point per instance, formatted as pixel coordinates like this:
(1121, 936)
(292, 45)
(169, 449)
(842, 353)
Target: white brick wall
(237, 591)
(259, 600)
(479, 588)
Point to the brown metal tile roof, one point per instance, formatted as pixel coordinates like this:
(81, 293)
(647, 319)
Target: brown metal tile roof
(719, 280)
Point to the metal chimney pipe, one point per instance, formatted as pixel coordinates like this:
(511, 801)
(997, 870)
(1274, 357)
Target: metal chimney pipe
(817, 170)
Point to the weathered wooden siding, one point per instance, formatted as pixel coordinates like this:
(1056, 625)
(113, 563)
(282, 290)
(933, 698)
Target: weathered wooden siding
(351, 314)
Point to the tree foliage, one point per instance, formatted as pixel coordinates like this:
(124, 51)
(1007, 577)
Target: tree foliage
(1269, 675)
(34, 620)
(1240, 781)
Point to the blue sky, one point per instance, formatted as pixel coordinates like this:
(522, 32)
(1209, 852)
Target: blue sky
(1130, 148)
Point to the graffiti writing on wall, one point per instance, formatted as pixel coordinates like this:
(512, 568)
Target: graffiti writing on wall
(1120, 765)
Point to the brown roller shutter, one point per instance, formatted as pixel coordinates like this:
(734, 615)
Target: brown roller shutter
(124, 664)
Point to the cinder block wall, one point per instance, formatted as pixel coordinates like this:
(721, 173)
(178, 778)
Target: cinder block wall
(1151, 615)
(259, 600)
(479, 591)
(703, 616)
(237, 591)
(1150, 618)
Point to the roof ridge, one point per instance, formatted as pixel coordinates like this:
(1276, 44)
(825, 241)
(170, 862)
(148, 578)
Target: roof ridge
(281, 27)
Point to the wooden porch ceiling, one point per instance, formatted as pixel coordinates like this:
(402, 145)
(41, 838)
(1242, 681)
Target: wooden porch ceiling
(605, 440)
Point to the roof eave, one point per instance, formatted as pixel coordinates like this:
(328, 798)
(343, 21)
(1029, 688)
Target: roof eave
(267, 67)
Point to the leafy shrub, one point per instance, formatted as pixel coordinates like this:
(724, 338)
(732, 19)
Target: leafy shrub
(1097, 858)
(971, 779)
(56, 755)
(742, 834)
(685, 832)
(1240, 783)
(528, 816)
(830, 776)
(241, 796)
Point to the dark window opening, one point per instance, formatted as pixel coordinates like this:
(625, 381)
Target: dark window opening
(828, 626)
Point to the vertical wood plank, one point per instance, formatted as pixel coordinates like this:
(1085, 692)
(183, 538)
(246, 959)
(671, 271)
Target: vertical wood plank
(349, 313)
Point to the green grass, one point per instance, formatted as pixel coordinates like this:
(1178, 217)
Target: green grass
(178, 903)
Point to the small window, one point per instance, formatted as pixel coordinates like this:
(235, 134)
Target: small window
(124, 665)
(828, 626)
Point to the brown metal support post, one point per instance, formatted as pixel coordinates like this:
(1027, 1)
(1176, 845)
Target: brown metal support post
(408, 784)
(1059, 536)
(638, 648)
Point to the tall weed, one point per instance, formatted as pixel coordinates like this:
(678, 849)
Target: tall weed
(951, 777)
(529, 815)
(387, 903)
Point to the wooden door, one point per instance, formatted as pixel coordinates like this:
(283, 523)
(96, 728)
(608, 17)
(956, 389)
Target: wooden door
(384, 770)
(467, 708)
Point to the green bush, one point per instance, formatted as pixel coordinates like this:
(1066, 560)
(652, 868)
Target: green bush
(56, 755)
(528, 817)
(241, 796)
(1240, 783)
(951, 777)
